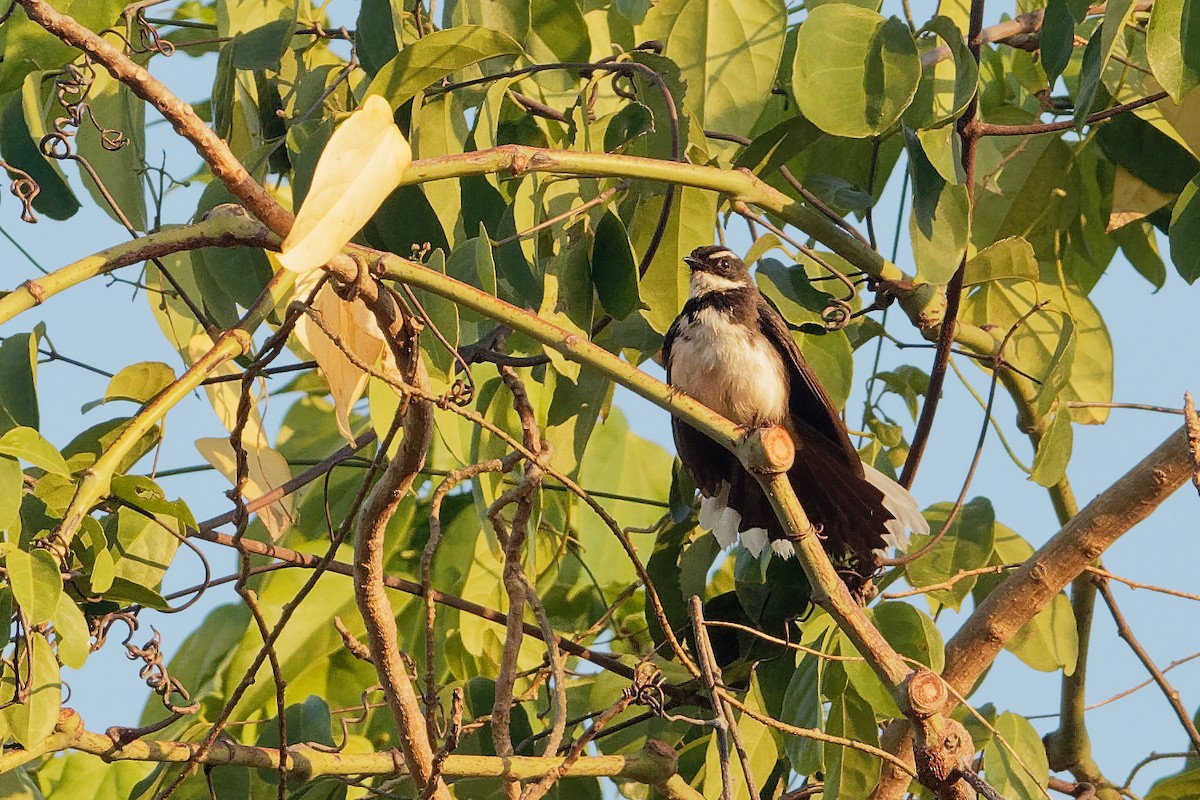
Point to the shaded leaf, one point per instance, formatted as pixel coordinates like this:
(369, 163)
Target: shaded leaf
(1053, 452)
(966, 546)
(267, 471)
(1185, 232)
(18, 381)
(436, 56)
(614, 270)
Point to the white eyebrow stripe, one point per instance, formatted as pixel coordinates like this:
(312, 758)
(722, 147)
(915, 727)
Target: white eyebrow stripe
(721, 254)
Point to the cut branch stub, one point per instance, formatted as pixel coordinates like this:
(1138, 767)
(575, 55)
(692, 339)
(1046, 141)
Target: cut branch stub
(926, 693)
(940, 756)
(768, 450)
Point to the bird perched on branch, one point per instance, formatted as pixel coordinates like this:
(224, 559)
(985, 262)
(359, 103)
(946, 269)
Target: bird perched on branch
(731, 350)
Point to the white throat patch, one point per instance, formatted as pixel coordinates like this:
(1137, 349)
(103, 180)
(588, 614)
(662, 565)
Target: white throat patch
(706, 283)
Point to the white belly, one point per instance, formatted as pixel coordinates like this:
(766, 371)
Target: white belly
(741, 377)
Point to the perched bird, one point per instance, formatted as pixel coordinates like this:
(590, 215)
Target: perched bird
(731, 350)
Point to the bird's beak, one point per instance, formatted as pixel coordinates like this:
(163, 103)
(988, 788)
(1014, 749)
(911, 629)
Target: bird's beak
(693, 263)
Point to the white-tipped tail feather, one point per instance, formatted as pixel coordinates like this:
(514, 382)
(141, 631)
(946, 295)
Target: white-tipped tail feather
(903, 506)
(725, 522)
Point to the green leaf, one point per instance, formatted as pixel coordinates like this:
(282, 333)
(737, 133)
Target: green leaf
(1053, 452)
(121, 169)
(123, 591)
(35, 582)
(1140, 246)
(1058, 38)
(437, 56)
(1008, 258)
(91, 546)
(727, 51)
(142, 546)
(1004, 770)
(966, 546)
(868, 63)
(802, 707)
(1184, 233)
(137, 383)
(71, 633)
(21, 130)
(1049, 641)
(1039, 340)
(1184, 786)
(262, 47)
(18, 381)
(443, 314)
(557, 30)
(664, 287)
(32, 721)
(144, 495)
(943, 147)
(912, 633)
(939, 224)
(759, 746)
(1058, 372)
(12, 486)
(28, 445)
(1097, 54)
(614, 270)
(1173, 46)
(850, 773)
(947, 86)
(28, 46)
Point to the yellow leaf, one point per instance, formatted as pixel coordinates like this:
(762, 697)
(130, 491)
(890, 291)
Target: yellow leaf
(224, 396)
(267, 470)
(359, 168)
(1133, 199)
(358, 331)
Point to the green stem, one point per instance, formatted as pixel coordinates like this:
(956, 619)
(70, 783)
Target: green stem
(224, 227)
(96, 479)
(654, 765)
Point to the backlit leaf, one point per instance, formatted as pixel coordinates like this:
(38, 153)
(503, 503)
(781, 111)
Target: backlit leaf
(267, 471)
(28, 445)
(1173, 46)
(359, 168)
(867, 62)
(727, 51)
(1005, 770)
(614, 271)
(35, 582)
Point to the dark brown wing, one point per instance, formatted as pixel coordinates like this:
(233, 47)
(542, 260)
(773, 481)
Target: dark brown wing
(827, 475)
(808, 400)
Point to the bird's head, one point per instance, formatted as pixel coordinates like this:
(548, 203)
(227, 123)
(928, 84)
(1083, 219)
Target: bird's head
(715, 268)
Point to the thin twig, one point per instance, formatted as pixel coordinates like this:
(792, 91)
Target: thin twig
(1171, 693)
